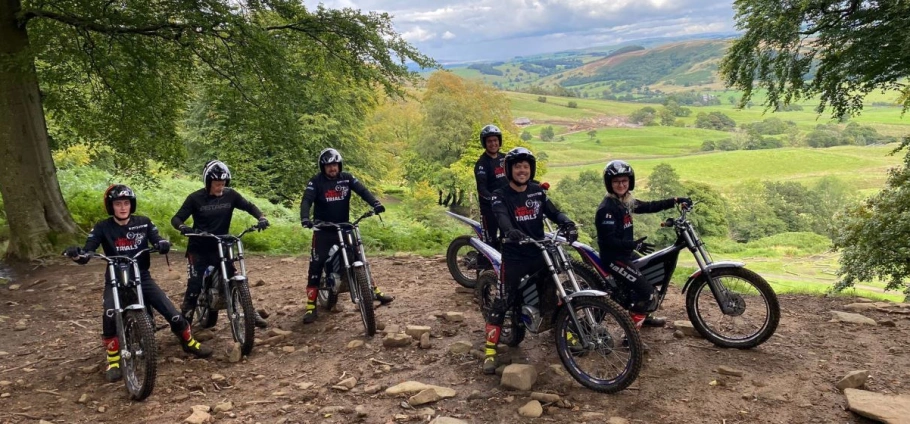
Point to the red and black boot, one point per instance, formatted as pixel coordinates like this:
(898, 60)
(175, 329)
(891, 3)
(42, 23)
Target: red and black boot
(489, 361)
(309, 316)
(191, 345)
(112, 346)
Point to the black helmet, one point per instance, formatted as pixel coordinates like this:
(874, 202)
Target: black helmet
(215, 170)
(617, 168)
(520, 154)
(117, 192)
(328, 156)
(488, 131)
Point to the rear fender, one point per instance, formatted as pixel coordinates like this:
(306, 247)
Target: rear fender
(492, 254)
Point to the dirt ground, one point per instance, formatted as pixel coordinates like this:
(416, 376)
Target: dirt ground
(46, 368)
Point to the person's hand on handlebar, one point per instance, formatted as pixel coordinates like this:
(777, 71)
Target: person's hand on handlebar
(515, 235)
(185, 229)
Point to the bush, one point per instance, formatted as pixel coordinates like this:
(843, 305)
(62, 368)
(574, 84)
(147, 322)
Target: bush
(714, 121)
(572, 105)
(542, 99)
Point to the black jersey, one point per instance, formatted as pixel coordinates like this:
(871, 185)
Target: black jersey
(613, 221)
(211, 214)
(490, 174)
(332, 197)
(124, 240)
(524, 211)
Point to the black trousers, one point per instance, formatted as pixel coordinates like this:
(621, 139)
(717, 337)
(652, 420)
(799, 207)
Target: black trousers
(153, 296)
(627, 274)
(492, 235)
(319, 255)
(512, 271)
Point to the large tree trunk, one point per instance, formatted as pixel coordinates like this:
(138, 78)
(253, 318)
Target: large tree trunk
(35, 210)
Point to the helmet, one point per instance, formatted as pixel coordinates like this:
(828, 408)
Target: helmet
(617, 168)
(328, 156)
(117, 192)
(215, 170)
(488, 131)
(520, 154)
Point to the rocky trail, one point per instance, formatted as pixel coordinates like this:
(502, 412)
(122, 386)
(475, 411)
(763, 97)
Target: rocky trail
(51, 360)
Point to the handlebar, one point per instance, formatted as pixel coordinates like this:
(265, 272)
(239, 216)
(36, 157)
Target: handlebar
(327, 225)
(115, 258)
(684, 209)
(223, 236)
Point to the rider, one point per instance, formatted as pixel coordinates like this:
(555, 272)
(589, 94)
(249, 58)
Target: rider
(329, 192)
(125, 234)
(490, 175)
(616, 243)
(520, 208)
(211, 208)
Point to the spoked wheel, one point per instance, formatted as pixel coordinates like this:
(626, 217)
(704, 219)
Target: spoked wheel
(205, 315)
(139, 354)
(754, 311)
(242, 316)
(366, 301)
(487, 290)
(464, 261)
(603, 352)
(587, 277)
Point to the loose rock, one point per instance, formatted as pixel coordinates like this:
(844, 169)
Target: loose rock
(460, 348)
(686, 328)
(532, 409)
(236, 353)
(454, 316)
(200, 415)
(393, 340)
(416, 331)
(223, 407)
(424, 397)
(887, 409)
(519, 377)
(354, 344)
(853, 380)
(425, 341)
(851, 318)
(730, 371)
(545, 397)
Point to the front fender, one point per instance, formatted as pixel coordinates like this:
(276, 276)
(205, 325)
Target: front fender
(716, 265)
(592, 293)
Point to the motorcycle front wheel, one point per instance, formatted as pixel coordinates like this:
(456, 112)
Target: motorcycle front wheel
(753, 310)
(463, 261)
(603, 349)
(139, 354)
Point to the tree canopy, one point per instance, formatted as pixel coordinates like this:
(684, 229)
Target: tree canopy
(839, 50)
(262, 84)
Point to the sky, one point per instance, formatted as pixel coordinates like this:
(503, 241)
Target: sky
(476, 30)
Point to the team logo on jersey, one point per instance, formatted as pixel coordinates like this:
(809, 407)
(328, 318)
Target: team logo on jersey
(500, 170)
(340, 192)
(528, 212)
(627, 221)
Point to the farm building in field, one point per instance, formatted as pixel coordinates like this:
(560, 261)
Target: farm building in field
(521, 122)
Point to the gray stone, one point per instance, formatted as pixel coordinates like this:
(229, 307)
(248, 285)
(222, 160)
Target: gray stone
(887, 409)
(851, 318)
(545, 397)
(236, 353)
(360, 410)
(371, 389)
(593, 416)
(454, 316)
(425, 341)
(519, 377)
(447, 420)
(354, 344)
(852, 380)
(200, 415)
(730, 371)
(424, 397)
(532, 409)
(393, 340)
(686, 328)
(416, 331)
(460, 348)
(859, 307)
(391, 329)
(223, 407)
(416, 387)
(348, 382)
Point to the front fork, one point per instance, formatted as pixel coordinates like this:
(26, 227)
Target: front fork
(125, 353)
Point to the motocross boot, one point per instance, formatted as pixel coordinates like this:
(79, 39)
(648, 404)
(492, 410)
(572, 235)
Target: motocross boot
(192, 346)
(383, 298)
(309, 316)
(653, 321)
(112, 346)
(260, 321)
(489, 361)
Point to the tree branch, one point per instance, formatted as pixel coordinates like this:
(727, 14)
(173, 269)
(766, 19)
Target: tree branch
(90, 25)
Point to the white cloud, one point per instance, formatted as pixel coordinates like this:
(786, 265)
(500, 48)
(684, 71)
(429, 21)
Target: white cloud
(500, 29)
(418, 34)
